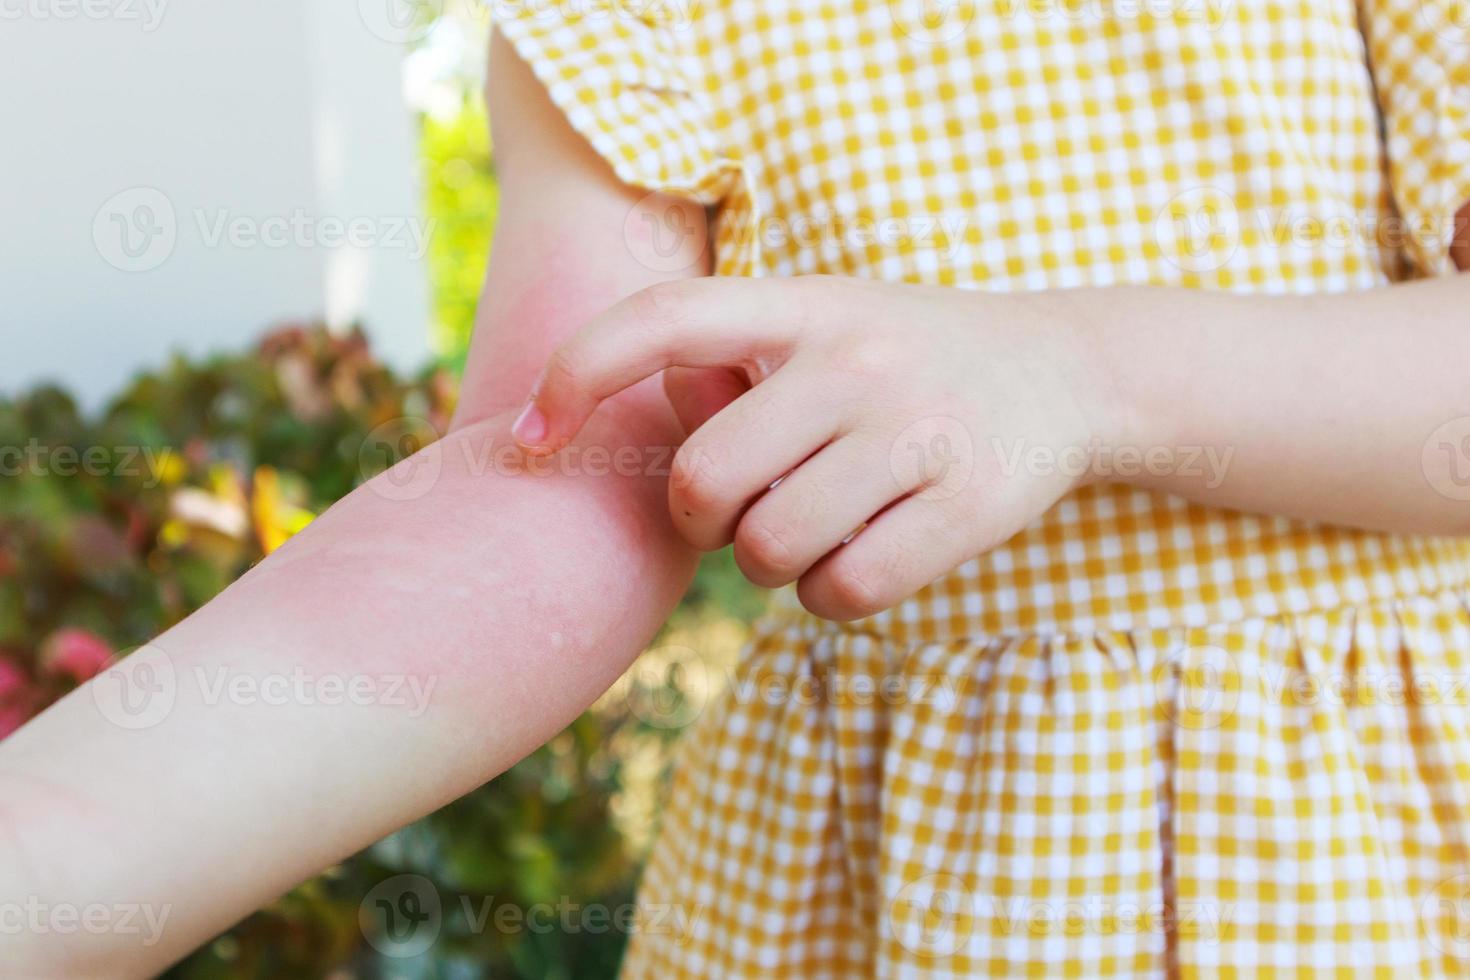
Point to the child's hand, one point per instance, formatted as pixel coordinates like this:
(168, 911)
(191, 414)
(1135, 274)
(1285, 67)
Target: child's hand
(907, 411)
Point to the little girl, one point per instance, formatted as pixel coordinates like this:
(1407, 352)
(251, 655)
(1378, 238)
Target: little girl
(1203, 713)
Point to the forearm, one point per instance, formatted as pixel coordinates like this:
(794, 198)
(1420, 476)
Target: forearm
(427, 632)
(1314, 407)
(474, 620)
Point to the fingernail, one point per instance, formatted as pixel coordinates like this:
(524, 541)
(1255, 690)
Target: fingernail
(529, 427)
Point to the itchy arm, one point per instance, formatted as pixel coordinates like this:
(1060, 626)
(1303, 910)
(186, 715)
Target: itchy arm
(422, 636)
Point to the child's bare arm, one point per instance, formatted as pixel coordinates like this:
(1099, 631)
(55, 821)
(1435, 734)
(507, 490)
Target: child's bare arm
(426, 633)
(565, 246)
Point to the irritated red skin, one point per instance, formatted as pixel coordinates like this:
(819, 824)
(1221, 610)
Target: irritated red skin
(513, 599)
(520, 598)
(506, 360)
(489, 574)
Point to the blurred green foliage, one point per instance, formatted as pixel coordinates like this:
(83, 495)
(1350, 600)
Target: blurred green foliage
(114, 527)
(461, 198)
(197, 471)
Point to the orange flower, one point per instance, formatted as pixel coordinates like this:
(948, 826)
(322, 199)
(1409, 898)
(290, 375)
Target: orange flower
(275, 518)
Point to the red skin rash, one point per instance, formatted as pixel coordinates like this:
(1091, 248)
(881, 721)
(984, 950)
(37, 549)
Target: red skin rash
(521, 597)
(489, 580)
(524, 319)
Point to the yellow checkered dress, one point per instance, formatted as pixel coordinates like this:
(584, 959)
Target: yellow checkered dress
(1144, 738)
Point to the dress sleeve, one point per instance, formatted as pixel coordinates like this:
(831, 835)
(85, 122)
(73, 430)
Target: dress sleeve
(624, 82)
(1419, 51)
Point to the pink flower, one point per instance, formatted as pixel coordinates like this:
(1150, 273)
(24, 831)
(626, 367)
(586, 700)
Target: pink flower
(13, 711)
(11, 719)
(12, 681)
(76, 653)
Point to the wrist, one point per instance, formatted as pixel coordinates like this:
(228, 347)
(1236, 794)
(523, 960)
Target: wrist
(1106, 329)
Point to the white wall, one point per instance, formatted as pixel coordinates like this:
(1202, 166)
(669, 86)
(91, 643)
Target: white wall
(183, 174)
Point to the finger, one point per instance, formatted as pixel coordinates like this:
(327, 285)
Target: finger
(735, 456)
(709, 322)
(900, 551)
(814, 509)
(698, 394)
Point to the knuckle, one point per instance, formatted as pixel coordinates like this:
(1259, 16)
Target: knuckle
(807, 501)
(695, 483)
(563, 367)
(853, 590)
(662, 306)
(887, 569)
(980, 517)
(965, 511)
(865, 358)
(764, 550)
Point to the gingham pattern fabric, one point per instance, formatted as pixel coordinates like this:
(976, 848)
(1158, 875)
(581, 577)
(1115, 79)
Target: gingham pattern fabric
(1143, 738)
